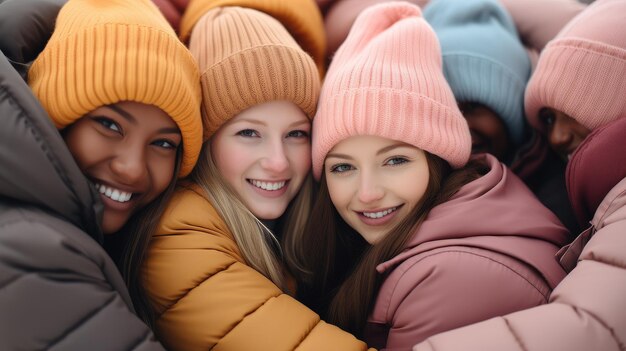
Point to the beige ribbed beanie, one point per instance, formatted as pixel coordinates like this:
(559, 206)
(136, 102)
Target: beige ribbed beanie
(301, 18)
(248, 58)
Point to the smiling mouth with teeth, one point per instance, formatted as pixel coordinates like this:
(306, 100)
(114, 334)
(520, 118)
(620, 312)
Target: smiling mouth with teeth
(269, 186)
(380, 214)
(113, 194)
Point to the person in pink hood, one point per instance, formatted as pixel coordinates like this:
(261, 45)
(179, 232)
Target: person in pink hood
(407, 238)
(586, 310)
(579, 83)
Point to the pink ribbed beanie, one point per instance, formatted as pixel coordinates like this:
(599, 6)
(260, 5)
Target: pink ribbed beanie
(582, 72)
(387, 80)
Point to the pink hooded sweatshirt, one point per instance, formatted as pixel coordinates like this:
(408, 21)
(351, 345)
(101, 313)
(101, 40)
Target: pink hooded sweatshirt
(587, 310)
(488, 251)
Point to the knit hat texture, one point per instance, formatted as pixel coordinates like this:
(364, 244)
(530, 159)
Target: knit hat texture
(107, 51)
(484, 61)
(302, 18)
(386, 80)
(582, 71)
(248, 58)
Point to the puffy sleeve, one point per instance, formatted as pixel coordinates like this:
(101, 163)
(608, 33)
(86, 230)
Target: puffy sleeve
(59, 290)
(452, 287)
(207, 297)
(585, 312)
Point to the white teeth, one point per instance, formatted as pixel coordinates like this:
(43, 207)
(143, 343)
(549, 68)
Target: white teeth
(113, 194)
(380, 214)
(267, 185)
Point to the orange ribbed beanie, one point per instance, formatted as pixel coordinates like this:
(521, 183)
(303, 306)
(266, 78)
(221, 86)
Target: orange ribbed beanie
(582, 71)
(247, 58)
(106, 51)
(302, 18)
(386, 79)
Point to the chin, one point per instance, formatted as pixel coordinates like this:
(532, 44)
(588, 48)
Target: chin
(269, 215)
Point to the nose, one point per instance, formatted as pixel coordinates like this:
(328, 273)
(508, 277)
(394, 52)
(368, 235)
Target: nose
(560, 135)
(275, 159)
(370, 188)
(130, 165)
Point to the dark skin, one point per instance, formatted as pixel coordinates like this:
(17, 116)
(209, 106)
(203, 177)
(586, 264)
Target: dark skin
(562, 131)
(487, 130)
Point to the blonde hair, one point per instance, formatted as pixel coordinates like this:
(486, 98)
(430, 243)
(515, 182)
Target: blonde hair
(258, 245)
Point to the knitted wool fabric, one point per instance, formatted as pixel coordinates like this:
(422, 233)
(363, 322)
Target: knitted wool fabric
(107, 51)
(248, 58)
(302, 18)
(582, 71)
(386, 80)
(484, 61)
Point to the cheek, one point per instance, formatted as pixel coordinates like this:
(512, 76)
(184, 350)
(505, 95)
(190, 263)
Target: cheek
(231, 160)
(84, 149)
(300, 157)
(162, 172)
(338, 191)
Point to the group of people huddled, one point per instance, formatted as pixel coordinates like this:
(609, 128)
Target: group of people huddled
(312, 175)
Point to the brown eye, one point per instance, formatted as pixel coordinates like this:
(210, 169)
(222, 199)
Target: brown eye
(546, 116)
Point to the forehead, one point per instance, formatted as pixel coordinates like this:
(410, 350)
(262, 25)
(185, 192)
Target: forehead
(274, 114)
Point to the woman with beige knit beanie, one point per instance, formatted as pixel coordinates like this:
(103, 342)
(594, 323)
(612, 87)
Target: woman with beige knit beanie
(124, 94)
(215, 274)
(409, 235)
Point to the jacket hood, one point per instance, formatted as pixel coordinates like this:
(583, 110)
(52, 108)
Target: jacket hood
(495, 212)
(36, 166)
(595, 168)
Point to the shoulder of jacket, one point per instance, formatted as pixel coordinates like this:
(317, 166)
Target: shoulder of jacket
(190, 206)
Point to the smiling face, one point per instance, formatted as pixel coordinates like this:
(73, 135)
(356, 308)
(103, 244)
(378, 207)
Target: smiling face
(563, 132)
(375, 182)
(487, 129)
(264, 154)
(128, 151)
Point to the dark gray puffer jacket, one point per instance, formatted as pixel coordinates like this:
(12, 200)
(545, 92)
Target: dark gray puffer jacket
(59, 290)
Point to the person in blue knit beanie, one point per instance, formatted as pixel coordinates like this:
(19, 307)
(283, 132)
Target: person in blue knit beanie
(487, 68)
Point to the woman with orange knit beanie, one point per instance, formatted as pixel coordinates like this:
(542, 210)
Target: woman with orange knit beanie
(215, 274)
(124, 94)
(409, 236)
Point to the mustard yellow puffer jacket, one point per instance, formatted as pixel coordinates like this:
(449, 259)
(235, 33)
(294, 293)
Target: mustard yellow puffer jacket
(207, 297)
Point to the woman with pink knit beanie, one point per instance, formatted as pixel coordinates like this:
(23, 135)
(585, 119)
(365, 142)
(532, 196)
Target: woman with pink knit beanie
(409, 236)
(580, 80)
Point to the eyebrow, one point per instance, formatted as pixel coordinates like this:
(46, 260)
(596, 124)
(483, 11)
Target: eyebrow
(127, 116)
(381, 151)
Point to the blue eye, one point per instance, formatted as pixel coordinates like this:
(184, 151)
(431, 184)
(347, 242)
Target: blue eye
(108, 123)
(341, 168)
(248, 133)
(395, 161)
(166, 144)
(298, 134)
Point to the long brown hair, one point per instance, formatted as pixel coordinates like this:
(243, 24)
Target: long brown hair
(136, 236)
(338, 268)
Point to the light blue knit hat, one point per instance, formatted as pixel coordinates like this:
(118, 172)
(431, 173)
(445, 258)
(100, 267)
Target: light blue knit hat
(484, 60)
